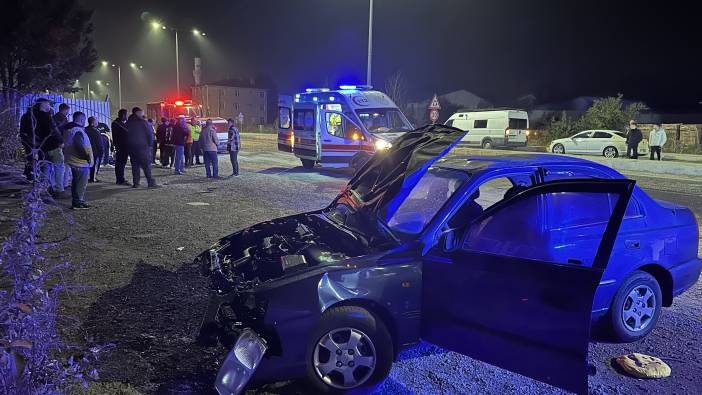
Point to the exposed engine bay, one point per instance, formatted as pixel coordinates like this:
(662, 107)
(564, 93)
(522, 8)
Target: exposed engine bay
(277, 248)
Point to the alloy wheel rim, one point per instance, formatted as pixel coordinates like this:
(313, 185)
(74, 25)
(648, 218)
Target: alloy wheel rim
(639, 308)
(344, 358)
(609, 152)
(558, 149)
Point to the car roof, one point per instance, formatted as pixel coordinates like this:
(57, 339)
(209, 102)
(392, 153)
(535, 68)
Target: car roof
(480, 164)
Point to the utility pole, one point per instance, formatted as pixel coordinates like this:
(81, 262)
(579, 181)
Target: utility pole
(177, 65)
(370, 43)
(119, 85)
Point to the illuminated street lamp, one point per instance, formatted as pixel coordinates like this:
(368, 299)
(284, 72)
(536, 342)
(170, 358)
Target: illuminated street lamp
(158, 25)
(119, 76)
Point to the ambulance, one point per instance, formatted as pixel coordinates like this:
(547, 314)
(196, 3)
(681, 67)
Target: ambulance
(339, 128)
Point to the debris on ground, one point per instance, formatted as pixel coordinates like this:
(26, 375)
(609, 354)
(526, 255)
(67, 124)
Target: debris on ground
(198, 204)
(643, 366)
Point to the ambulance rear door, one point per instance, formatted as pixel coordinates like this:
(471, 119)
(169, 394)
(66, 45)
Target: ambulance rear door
(305, 123)
(286, 133)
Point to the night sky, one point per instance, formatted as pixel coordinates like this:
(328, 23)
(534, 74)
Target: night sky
(499, 50)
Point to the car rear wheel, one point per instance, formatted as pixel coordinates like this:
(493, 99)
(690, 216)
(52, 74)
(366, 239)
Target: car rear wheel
(558, 149)
(487, 144)
(636, 307)
(610, 152)
(307, 163)
(350, 349)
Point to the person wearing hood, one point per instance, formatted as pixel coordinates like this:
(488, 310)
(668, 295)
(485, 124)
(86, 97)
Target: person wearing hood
(119, 141)
(140, 141)
(79, 157)
(633, 138)
(657, 140)
(42, 139)
(97, 147)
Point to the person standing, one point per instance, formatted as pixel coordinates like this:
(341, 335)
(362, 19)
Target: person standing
(633, 138)
(233, 146)
(179, 136)
(61, 117)
(140, 141)
(96, 145)
(161, 132)
(79, 157)
(120, 142)
(153, 144)
(208, 142)
(657, 140)
(41, 139)
(195, 130)
(189, 145)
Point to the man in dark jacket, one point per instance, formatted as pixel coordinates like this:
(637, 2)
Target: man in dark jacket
(161, 133)
(41, 139)
(61, 117)
(140, 141)
(633, 138)
(119, 141)
(178, 137)
(96, 144)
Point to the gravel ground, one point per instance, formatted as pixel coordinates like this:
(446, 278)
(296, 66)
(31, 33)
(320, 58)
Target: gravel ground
(135, 247)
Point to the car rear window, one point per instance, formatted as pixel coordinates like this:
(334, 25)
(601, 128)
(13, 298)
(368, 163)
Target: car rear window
(517, 123)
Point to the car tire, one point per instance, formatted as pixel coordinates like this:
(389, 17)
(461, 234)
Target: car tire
(487, 144)
(610, 152)
(636, 307)
(307, 163)
(558, 149)
(339, 324)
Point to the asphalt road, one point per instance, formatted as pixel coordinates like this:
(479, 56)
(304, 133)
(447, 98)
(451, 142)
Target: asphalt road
(135, 246)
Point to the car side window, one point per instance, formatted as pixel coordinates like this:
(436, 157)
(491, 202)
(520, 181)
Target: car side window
(583, 135)
(480, 124)
(335, 124)
(487, 195)
(517, 230)
(601, 135)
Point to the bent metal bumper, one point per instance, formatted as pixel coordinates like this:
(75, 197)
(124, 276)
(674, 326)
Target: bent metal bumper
(241, 363)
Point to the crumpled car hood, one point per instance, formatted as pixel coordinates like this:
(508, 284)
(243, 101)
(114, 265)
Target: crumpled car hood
(384, 181)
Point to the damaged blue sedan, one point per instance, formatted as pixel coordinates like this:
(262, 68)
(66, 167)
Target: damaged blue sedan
(508, 260)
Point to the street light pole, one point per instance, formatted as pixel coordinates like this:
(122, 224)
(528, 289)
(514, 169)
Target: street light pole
(370, 43)
(119, 85)
(177, 65)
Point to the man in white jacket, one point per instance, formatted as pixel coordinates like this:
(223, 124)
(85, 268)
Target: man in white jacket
(657, 140)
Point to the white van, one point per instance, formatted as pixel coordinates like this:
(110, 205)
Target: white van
(492, 128)
(341, 128)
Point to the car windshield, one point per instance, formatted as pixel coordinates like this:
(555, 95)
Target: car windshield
(381, 120)
(424, 200)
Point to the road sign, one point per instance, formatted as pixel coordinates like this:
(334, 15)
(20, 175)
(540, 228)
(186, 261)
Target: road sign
(434, 108)
(433, 115)
(434, 104)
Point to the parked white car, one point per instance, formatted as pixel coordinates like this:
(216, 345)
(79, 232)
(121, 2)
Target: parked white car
(608, 143)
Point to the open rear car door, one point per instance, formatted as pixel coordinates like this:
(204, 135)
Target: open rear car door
(504, 295)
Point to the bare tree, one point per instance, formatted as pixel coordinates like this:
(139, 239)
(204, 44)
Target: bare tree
(396, 88)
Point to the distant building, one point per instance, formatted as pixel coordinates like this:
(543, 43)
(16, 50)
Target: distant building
(228, 99)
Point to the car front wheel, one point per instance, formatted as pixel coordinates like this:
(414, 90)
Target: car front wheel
(558, 149)
(610, 152)
(351, 349)
(636, 307)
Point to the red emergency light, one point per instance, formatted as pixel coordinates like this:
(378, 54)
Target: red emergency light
(179, 103)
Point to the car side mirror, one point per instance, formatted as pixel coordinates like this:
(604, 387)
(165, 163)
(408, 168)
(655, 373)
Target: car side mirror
(449, 240)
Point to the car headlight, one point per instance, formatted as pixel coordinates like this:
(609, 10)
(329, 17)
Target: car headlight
(382, 144)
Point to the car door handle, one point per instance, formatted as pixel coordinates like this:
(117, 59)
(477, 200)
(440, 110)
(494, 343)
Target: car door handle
(632, 244)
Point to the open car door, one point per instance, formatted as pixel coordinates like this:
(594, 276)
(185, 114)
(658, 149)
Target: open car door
(504, 295)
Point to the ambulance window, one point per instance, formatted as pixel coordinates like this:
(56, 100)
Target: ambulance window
(480, 124)
(335, 124)
(284, 118)
(304, 120)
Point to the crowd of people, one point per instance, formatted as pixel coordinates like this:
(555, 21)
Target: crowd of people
(74, 150)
